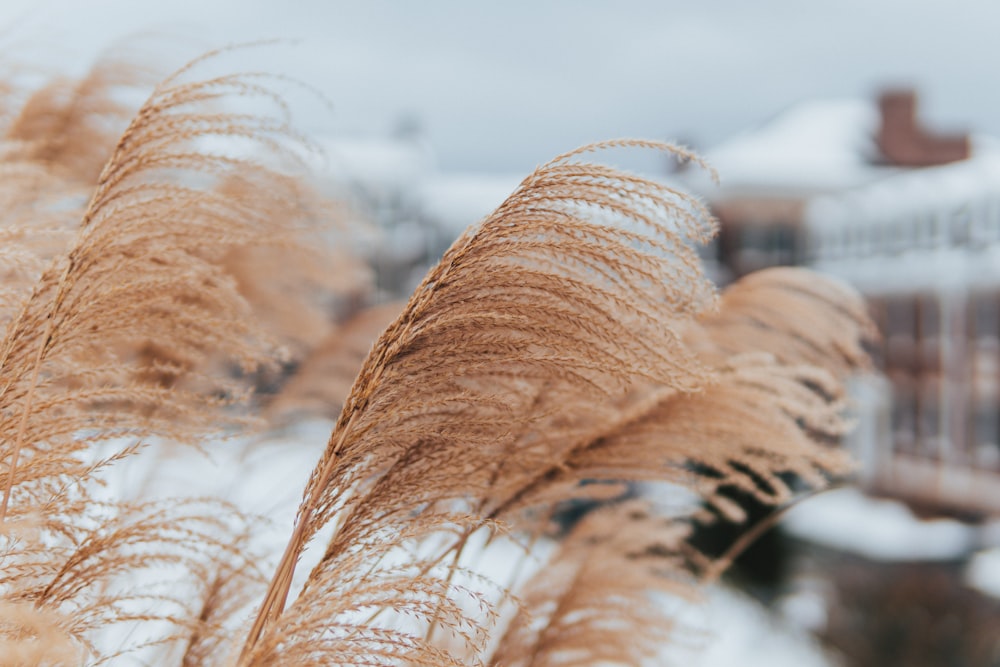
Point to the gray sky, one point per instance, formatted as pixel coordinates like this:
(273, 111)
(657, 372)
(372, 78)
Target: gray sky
(506, 85)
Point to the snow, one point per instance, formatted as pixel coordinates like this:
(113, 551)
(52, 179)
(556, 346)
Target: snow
(934, 229)
(942, 271)
(455, 201)
(398, 181)
(983, 572)
(913, 192)
(806, 607)
(742, 633)
(266, 475)
(814, 146)
(883, 530)
(375, 162)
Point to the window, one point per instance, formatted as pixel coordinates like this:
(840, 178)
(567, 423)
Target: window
(878, 312)
(929, 334)
(929, 424)
(904, 412)
(959, 227)
(984, 378)
(764, 245)
(900, 334)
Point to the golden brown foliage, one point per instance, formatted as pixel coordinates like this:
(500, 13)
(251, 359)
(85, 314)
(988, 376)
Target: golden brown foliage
(537, 299)
(600, 599)
(144, 269)
(567, 339)
(797, 316)
(70, 126)
(325, 376)
(565, 344)
(67, 130)
(135, 273)
(759, 423)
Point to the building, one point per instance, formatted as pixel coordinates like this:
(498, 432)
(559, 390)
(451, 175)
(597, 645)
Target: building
(862, 191)
(924, 247)
(818, 147)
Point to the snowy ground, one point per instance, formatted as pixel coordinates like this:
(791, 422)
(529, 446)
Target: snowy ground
(983, 572)
(742, 633)
(884, 530)
(267, 476)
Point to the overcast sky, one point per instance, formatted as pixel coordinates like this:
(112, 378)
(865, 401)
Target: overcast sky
(503, 86)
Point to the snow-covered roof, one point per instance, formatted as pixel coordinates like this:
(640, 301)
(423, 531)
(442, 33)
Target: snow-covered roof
(455, 201)
(914, 192)
(812, 147)
(940, 271)
(375, 163)
(929, 229)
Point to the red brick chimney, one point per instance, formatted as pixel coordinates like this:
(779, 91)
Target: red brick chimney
(905, 143)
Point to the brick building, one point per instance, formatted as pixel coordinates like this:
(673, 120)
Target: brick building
(863, 191)
(924, 248)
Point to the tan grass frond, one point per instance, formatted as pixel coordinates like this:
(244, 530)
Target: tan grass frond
(66, 131)
(70, 126)
(31, 636)
(799, 316)
(765, 426)
(140, 272)
(603, 598)
(375, 604)
(782, 343)
(757, 422)
(575, 289)
(228, 588)
(40, 211)
(94, 567)
(323, 379)
(291, 287)
(53, 148)
(293, 272)
(116, 343)
(26, 249)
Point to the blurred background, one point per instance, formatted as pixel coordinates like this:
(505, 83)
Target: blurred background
(859, 138)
